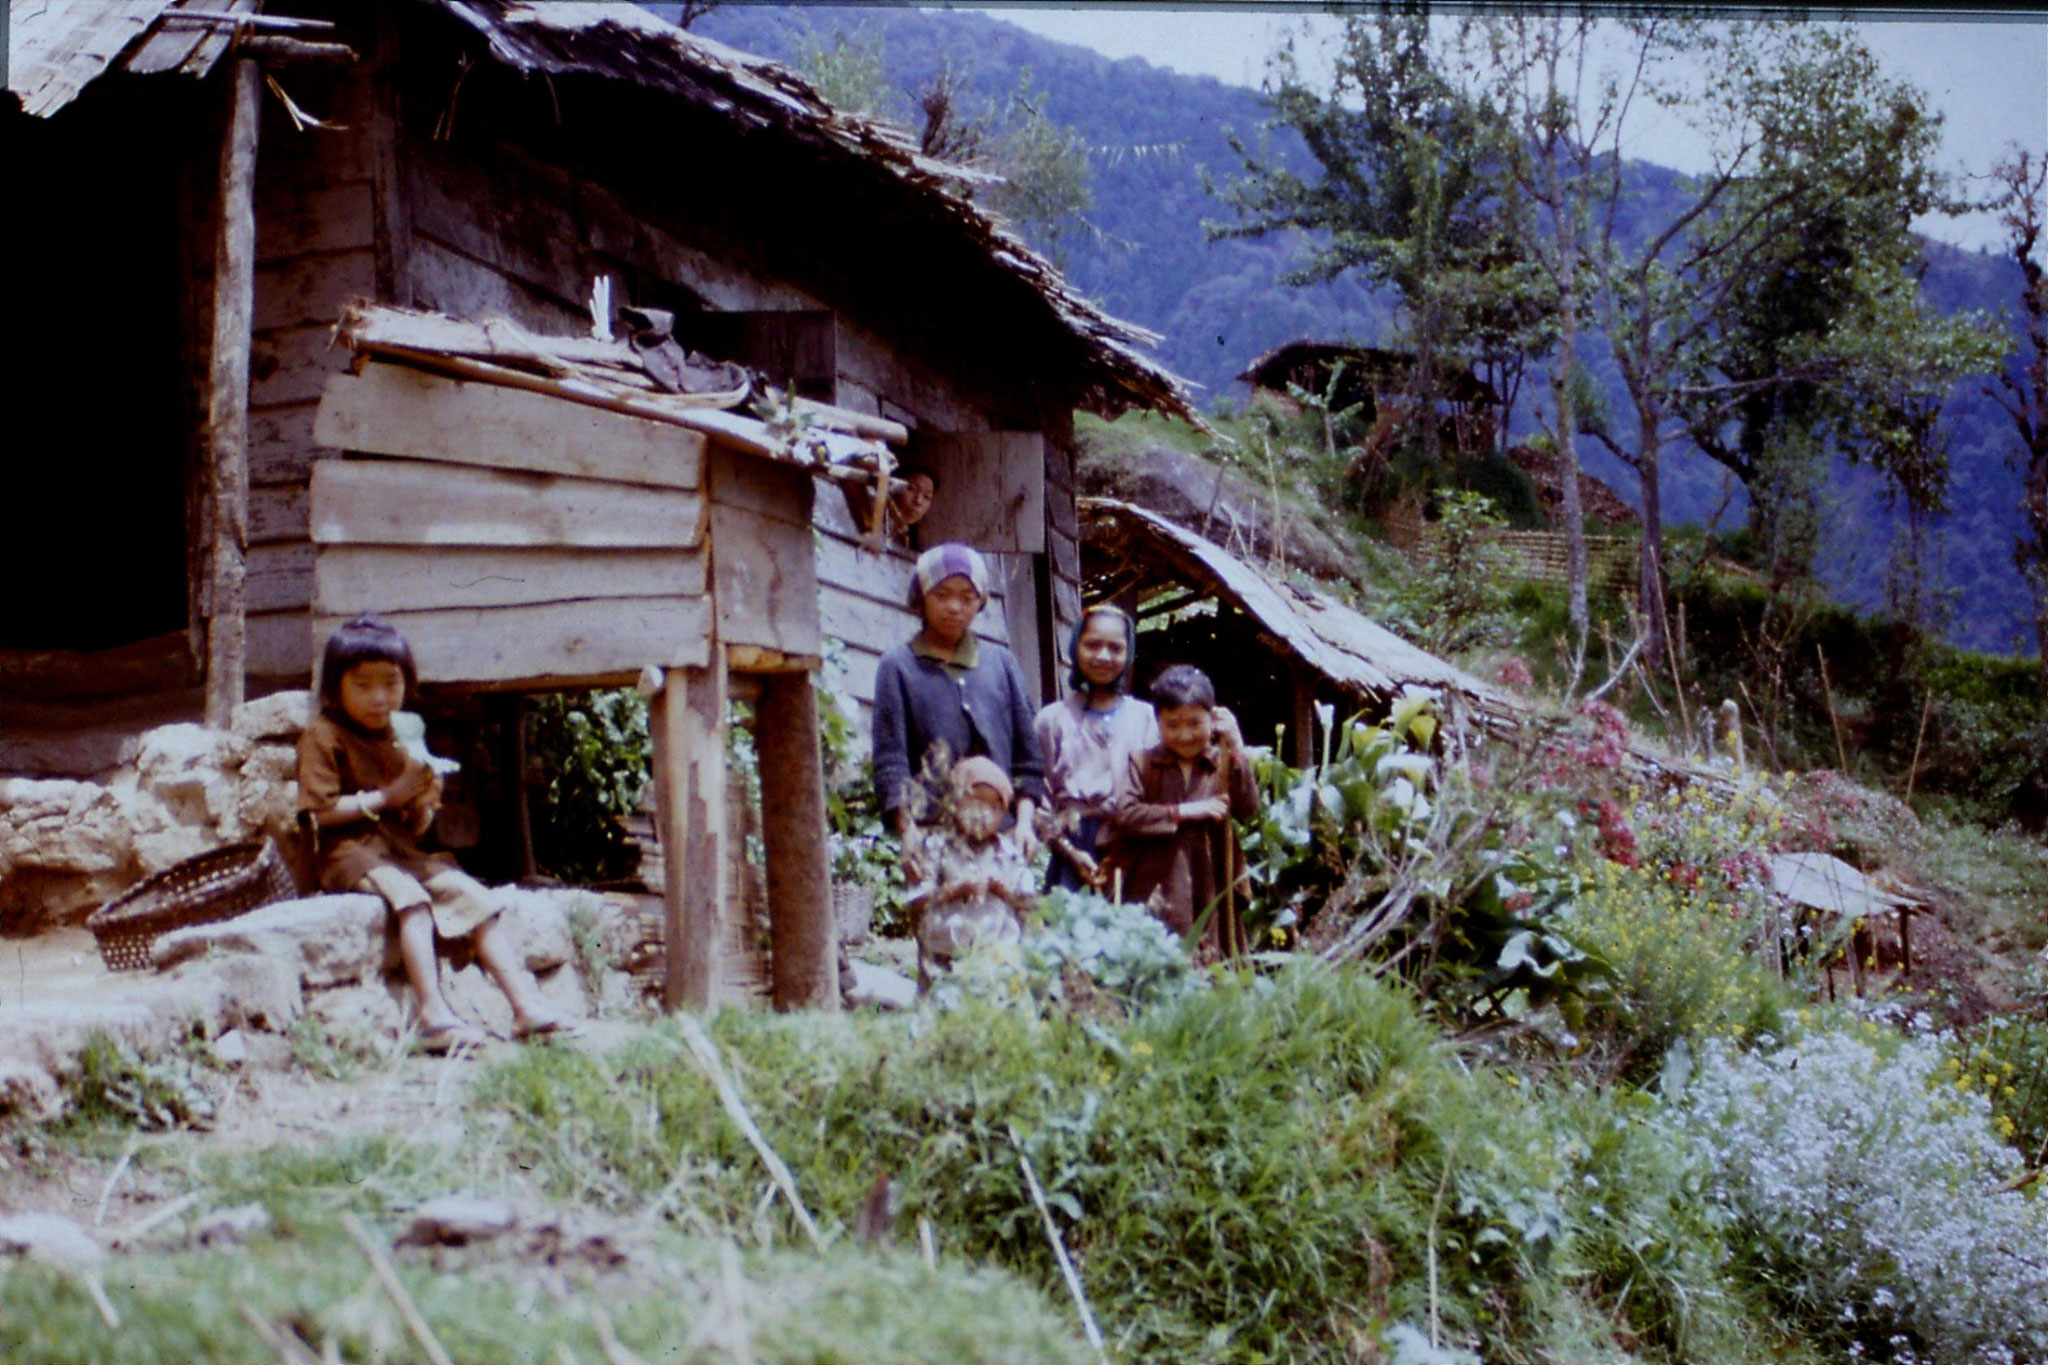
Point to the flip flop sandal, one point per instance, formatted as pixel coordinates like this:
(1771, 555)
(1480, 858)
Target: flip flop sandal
(444, 1039)
(553, 1028)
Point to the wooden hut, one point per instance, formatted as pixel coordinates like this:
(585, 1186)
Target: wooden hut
(1274, 648)
(214, 187)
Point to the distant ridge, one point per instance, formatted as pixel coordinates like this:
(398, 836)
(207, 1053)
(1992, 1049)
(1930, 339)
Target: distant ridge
(1152, 131)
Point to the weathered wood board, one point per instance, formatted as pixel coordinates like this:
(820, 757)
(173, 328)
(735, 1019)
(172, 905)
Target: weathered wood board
(401, 411)
(991, 489)
(560, 643)
(353, 578)
(405, 502)
(765, 580)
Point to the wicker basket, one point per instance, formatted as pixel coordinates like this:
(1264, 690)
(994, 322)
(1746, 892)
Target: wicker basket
(213, 886)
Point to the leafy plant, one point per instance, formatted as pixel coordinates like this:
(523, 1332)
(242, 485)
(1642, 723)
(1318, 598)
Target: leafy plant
(588, 755)
(1388, 850)
(116, 1084)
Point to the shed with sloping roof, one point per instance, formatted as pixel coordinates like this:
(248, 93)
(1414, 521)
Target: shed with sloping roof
(215, 187)
(1273, 646)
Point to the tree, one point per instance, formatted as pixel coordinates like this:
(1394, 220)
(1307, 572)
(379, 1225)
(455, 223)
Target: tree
(1404, 195)
(1825, 344)
(2022, 181)
(1556, 176)
(1772, 104)
(1040, 168)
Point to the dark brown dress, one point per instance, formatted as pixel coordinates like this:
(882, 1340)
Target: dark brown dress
(1187, 863)
(338, 758)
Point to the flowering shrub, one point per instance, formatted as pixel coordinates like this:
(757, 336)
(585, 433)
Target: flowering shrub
(1683, 960)
(1867, 1187)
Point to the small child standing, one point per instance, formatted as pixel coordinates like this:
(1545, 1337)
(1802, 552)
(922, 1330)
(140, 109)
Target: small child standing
(367, 803)
(1171, 812)
(975, 885)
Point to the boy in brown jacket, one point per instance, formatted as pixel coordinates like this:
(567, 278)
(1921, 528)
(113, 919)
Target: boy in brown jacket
(1171, 814)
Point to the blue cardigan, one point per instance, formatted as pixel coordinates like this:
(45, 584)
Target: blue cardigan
(986, 710)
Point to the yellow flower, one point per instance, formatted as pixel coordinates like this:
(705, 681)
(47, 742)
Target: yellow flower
(1141, 1049)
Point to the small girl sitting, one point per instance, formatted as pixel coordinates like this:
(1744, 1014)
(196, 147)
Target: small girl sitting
(367, 803)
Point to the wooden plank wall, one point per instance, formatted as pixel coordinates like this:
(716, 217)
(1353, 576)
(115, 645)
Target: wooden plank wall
(497, 231)
(550, 545)
(315, 250)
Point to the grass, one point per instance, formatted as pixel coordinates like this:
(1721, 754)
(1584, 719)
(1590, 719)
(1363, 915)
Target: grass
(1268, 1171)
(182, 1305)
(1998, 880)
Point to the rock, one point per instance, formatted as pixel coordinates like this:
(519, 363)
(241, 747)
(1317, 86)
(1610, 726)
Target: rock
(281, 715)
(328, 940)
(880, 987)
(230, 1227)
(231, 1048)
(189, 769)
(65, 848)
(457, 1220)
(537, 922)
(1219, 504)
(246, 990)
(61, 1243)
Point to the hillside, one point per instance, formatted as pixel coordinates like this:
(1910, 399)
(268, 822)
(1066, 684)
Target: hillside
(1152, 134)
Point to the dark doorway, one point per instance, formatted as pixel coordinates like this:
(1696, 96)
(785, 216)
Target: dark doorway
(94, 520)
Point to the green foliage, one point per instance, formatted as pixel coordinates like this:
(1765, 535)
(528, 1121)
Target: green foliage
(1384, 849)
(320, 1049)
(1462, 589)
(117, 1086)
(587, 754)
(668, 1297)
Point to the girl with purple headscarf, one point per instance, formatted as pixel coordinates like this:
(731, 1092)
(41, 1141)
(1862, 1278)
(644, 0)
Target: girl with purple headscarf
(946, 695)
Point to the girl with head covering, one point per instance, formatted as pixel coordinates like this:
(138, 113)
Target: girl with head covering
(1088, 738)
(944, 695)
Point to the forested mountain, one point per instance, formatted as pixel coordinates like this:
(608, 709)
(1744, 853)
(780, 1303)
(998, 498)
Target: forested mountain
(1151, 134)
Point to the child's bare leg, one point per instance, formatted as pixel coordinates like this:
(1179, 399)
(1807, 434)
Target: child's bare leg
(423, 968)
(530, 1012)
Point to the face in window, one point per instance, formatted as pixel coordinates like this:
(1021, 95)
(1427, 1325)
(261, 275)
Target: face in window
(912, 499)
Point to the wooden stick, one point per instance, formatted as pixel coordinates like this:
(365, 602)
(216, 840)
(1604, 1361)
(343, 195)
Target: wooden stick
(387, 1276)
(227, 413)
(289, 1350)
(155, 1220)
(1913, 772)
(1059, 1252)
(1827, 690)
(99, 1214)
(705, 1053)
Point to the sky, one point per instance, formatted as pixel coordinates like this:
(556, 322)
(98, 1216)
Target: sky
(1989, 77)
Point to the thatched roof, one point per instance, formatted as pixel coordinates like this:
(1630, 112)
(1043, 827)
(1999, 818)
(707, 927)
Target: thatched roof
(1367, 369)
(1133, 550)
(56, 49)
(59, 48)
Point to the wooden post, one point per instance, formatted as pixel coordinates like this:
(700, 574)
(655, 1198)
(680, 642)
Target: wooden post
(1304, 726)
(687, 719)
(227, 413)
(803, 937)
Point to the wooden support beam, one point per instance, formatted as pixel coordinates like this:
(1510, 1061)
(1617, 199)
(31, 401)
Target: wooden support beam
(1304, 725)
(227, 412)
(804, 949)
(687, 718)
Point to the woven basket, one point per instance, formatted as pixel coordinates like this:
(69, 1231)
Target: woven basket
(213, 886)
